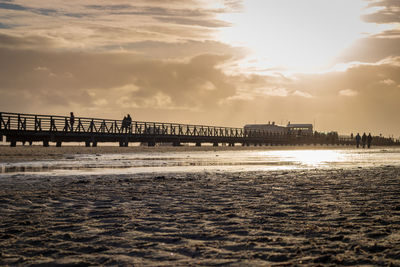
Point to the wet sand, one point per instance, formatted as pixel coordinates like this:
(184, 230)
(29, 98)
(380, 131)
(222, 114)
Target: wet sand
(332, 217)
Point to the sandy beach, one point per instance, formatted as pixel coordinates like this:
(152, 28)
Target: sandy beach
(301, 217)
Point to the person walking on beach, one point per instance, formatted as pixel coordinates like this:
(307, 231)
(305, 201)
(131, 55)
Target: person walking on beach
(364, 140)
(369, 140)
(358, 138)
(72, 120)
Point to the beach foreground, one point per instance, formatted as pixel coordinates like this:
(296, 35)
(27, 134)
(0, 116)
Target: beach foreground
(349, 217)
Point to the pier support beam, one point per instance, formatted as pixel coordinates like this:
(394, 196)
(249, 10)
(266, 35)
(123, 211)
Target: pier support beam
(177, 143)
(94, 144)
(215, 144)
(13, 143)
(198, 144)
(45, 143)
(87, 144)
(151, 143)
(58, 144)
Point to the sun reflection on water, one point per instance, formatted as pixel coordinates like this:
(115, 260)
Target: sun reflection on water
(309, 158)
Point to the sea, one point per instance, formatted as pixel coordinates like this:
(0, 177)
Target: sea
(205, 161)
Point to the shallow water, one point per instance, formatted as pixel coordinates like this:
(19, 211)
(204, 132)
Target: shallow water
(200, 161)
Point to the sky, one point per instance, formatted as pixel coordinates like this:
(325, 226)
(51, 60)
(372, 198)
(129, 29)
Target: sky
(332, 63)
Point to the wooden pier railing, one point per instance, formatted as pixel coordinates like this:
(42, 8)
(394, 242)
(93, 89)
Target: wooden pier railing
(18, 127)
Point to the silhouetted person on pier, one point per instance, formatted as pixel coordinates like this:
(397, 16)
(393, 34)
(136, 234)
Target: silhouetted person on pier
(369, 140)
(358, 139)
(128, 122)
(72, 120)
(364, 140)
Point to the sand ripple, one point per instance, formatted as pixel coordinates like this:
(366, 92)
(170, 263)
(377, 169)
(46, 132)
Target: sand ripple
(345, 217)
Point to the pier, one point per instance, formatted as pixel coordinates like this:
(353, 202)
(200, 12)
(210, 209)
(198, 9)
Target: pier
(29, 128)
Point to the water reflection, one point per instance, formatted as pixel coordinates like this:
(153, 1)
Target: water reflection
(309, 158)
(207, 161)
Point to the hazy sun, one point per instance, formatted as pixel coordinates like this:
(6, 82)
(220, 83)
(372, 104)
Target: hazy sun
(296, 35)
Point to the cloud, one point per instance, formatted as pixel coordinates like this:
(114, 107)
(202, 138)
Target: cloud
(26, 42)
(302, 94)
(107, 25)
(159, 60)
(16, 7)
(4, 26)
(190, 21)
(194, 83)
(196, 90)
(389, 12)
(388, 82)
(12, 7)
(384, 43)
(348, 92)
(374, 48)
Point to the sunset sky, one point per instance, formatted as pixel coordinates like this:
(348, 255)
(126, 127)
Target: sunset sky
(335, 63)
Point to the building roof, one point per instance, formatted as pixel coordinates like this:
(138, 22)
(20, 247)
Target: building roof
(298, 125)
(263, 126)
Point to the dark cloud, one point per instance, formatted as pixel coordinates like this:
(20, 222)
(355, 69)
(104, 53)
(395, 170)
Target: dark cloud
(27, 42)
(16, 7)
(109, 7)
(183, 49)
(151, 10)
(4, 26)
(189, 21)
(12, 7)
(183, 16)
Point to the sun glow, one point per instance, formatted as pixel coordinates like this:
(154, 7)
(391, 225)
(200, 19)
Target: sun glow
(295, 35)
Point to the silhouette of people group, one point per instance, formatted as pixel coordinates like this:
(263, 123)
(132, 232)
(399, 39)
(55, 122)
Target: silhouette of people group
(365, 140)
(125, 126)
(126, 123)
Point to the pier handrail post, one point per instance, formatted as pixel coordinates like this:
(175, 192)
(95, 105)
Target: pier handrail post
(51, 123)
(91, 126)
(2, 122)
(104, 126)
(38, 124)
